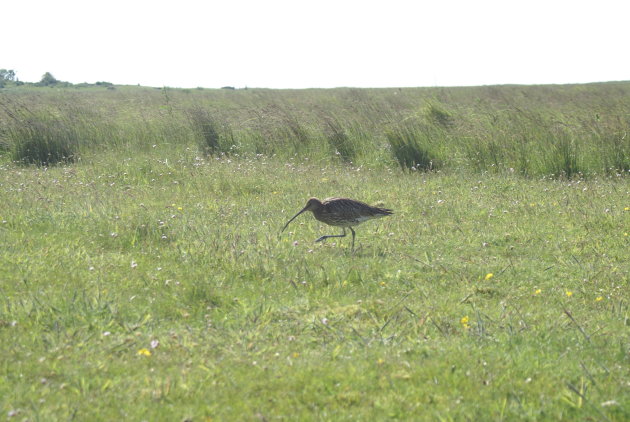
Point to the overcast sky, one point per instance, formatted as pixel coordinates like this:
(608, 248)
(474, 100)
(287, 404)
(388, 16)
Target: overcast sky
(302, 44)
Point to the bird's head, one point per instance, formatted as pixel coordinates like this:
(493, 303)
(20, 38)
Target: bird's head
(311, 205)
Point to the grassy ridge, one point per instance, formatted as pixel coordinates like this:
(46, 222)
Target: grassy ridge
(531, 130)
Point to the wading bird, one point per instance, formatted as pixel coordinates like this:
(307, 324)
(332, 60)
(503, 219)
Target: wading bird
(341, 212)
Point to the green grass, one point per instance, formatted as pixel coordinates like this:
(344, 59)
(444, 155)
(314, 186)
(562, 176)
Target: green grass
(148, 281)
(558, 131)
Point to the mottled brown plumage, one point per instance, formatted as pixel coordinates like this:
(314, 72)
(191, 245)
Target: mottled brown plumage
(341, 212)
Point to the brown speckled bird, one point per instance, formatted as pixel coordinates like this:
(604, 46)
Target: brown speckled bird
(341, 212)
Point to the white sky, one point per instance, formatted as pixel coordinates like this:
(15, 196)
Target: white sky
(323, 43)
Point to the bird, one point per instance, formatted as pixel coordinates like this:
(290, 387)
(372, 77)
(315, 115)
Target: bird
(341, 212)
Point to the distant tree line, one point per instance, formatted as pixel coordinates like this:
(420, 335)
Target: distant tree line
(9, 78)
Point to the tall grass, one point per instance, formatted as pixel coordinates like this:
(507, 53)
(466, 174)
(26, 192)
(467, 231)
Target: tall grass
(44, 142)
(212, 136)
(412, 146)
(564, 157)
(615, 152)
(41, 138)
(565, 131)
(339, 139)
(438, 115)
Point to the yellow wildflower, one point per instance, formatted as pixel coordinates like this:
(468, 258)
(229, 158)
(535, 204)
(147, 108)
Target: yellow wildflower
(569, 293)
(464, 322)
(489, 276)
(144, 352)
(599, 299)
(538, 291)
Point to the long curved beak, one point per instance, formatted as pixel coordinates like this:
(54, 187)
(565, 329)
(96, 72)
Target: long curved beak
(293, 218)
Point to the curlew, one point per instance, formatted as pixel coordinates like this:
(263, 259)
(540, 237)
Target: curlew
(341, 212)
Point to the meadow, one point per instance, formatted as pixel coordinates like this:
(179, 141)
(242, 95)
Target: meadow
(143, 275)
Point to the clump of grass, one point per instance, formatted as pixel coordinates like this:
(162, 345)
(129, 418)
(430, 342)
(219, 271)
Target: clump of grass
(563, 158)
(485, 154)
(212, 136)
(615, 152)
(43, 142)
(293, 131)
(439, 115)
(338, 139)
(5, 146)
(276, 130)
(619, 155)
(42, 138)
(523, 156)
(258, 143)
(411, 146)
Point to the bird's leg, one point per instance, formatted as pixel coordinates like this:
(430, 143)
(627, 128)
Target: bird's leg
(353, 234)
(334, 235)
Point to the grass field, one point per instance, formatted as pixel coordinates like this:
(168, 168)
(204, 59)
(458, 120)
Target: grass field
(145, 277)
